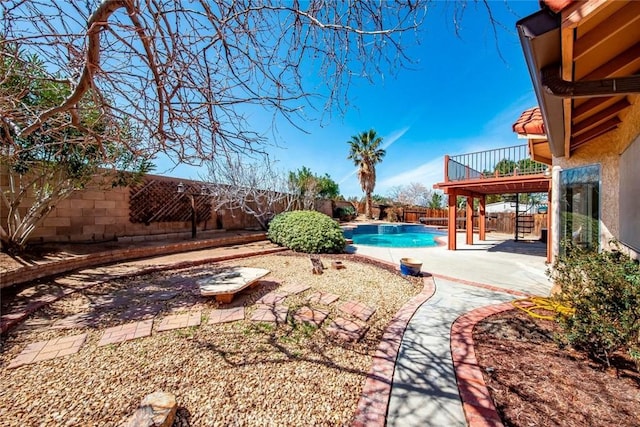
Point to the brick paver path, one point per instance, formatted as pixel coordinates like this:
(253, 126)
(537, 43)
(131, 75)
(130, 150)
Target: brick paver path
(272, 298)
(138, 312)
(357, 309)
(45, 350)
(324, 298)
(272, 314)
(346, 329)
(183, 320)
(226, 315)
(80, 320)
(310, 315)
(294, 289)
(126, 332)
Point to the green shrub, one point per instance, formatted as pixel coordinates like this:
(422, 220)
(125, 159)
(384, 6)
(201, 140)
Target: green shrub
(393, 214)
(604, 290)
(345, 212)
(307, 231)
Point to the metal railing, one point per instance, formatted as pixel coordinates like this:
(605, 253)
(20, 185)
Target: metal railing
(500, 162)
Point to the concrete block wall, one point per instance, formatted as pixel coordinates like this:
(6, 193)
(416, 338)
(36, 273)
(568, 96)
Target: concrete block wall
(97, 213)
(102, 214)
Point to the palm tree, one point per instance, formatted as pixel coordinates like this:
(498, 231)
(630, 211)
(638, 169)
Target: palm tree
(365, 153)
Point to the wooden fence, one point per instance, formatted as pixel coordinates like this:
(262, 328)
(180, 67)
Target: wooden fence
(503, 222)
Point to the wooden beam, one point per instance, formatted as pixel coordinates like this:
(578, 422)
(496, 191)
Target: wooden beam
(595, 132)
(600, 117)
(541, 159)
(585, 108)
(467, 193)
(580, 11)
(626, 63)
(625, 18)
(537, 145)
(567, 35)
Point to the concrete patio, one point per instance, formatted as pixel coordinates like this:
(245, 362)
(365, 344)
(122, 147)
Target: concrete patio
(424, 390)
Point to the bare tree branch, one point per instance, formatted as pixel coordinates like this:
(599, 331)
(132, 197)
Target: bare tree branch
(253, 187)
(191, 73)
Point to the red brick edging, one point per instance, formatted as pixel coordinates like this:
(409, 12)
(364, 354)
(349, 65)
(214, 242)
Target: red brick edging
(479, 409)
(374, 399)
(9, 320)
(48, 269)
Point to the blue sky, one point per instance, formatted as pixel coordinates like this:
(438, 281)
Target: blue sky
(462, 96)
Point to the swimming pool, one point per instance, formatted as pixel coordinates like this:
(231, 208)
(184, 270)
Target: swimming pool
(393, 235)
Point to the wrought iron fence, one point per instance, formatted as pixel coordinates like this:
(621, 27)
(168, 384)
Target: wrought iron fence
(500, 162)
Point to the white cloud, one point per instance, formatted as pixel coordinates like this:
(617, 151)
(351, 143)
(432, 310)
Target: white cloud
(394, 136)
(497, 133)
(427, 173)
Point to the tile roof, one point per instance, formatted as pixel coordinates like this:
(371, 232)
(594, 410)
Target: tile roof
(557, 5)
(530, 123)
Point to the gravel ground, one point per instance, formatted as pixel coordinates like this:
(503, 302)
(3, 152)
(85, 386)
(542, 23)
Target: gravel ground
(240, 373)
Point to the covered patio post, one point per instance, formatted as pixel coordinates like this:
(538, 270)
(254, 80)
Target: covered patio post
(469, 222)
(451, 225)
(549, 227)
(481, 220)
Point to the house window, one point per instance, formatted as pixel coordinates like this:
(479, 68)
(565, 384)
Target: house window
(580, 206)
(629, 196)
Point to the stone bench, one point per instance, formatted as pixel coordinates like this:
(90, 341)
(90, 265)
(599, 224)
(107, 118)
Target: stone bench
(223, 286)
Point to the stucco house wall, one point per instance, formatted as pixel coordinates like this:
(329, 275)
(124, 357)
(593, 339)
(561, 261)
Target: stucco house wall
(605, 151)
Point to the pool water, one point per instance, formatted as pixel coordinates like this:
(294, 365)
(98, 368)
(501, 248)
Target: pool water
(394, 235)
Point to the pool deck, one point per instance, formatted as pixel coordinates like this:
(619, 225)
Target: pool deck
(498, 261)
(424, 389)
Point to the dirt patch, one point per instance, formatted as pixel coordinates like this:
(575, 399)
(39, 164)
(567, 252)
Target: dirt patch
(534, 382)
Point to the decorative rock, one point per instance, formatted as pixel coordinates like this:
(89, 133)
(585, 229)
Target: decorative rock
(157, 409)
(316, 264)
(338, 265)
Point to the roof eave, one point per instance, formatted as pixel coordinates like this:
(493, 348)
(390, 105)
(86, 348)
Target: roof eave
(540, 39)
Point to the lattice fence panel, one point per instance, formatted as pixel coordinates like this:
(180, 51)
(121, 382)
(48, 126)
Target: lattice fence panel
(159, 201)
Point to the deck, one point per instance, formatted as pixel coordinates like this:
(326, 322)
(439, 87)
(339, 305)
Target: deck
(500, 171)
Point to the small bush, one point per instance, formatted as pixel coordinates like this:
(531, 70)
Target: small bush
(393, 214)
(604, 290)
(307, 231)
(345, 213)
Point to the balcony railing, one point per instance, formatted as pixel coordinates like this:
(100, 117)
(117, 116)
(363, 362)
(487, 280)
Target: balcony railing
(497, 163)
